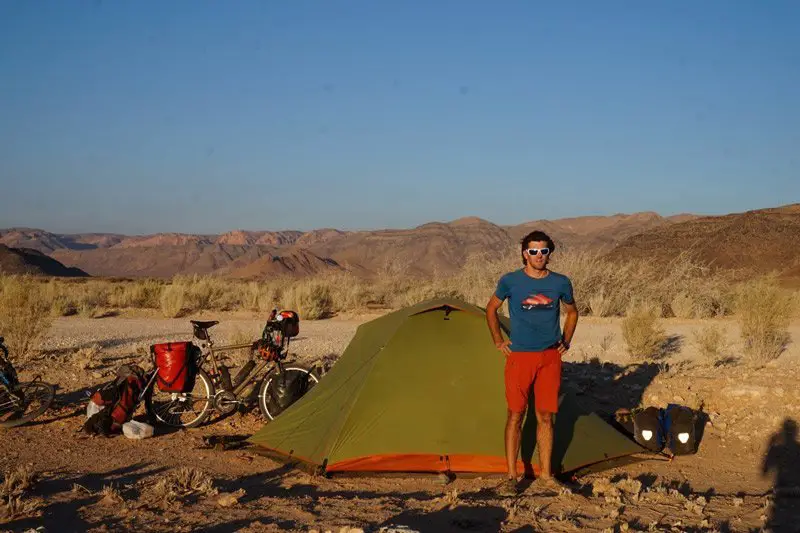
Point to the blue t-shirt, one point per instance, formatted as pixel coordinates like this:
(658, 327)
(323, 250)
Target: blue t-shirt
(534, 307)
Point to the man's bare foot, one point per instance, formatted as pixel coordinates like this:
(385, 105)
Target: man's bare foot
(509, 487)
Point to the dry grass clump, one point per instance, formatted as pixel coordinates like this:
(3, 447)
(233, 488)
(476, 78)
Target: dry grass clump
(94, 298)
(641, 331)
(310, 298)
(144, 294)
(24, 316)
(684, 288)
(184, 482)
(710, 342)
(14, 495)
(173, 299)
(85, 357)
(764, 311)
(110, 495)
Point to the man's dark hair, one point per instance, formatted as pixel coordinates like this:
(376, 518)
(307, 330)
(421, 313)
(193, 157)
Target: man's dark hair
(535, 236)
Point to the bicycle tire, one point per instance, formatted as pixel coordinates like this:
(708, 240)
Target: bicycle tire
(270, 412)
(47, 400)
(154, 417)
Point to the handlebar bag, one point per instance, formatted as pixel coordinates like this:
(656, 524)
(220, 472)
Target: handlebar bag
(176, 366)
(290, 323)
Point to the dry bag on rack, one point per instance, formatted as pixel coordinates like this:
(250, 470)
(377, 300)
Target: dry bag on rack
(176, 366)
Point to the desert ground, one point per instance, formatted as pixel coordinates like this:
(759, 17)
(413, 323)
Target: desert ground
(83, 483)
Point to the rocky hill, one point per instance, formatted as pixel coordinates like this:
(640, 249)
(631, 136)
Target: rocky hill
(34, 262)
(760, 241)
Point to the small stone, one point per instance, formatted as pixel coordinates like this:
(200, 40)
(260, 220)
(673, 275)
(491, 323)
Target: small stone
(738, 502)
(230, 499)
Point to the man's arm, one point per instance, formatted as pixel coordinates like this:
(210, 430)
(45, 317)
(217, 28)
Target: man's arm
(569, 324)
(494, 325)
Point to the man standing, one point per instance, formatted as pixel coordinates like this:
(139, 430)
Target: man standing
(534, 351)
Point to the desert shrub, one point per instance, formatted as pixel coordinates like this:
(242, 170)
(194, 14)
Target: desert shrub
(710, 341)
(641, 331)
(141, 294)
(599, 303)
(14, 495)
(173, 299)
(183, 482)
(683, 305)
(206, 292)
(311, 299)
(93, 298)
(24, 316)
(764, 311)
(348, 292)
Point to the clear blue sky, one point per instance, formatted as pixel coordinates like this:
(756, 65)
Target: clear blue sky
(200, 116)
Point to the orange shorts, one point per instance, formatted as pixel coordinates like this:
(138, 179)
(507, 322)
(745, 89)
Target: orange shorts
(540, 369)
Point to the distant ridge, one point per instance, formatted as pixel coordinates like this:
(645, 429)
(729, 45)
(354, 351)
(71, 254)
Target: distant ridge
(434, 247)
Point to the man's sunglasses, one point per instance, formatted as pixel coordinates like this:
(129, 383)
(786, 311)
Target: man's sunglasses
(534, 251)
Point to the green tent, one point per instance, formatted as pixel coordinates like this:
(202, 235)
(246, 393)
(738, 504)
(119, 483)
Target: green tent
(421, 390)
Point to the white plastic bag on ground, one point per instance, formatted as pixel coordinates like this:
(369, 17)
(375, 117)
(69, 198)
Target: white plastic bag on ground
(137, 430)
(92, 408)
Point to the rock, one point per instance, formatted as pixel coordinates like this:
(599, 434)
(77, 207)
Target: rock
(738, 391)
(738, 502)
(230, 499)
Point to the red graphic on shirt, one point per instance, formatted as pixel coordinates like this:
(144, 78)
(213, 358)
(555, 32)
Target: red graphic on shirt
(537, 301)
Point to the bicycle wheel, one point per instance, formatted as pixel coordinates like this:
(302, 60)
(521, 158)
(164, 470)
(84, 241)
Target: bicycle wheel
(181, 410)
(29, 401)
(267, 394)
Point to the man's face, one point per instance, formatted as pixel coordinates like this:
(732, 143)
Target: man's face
(535, 254)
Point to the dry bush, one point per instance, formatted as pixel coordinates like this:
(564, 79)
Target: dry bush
(608, 289)
(204, 293)
(141, 294)
(641, 331)
(61, 304)
(348, 292)
(173, 299)
(24, 316)
(764, 311)
(310, 298)
(683, 305)
(84, 357)
(94, 298)
(710, 341)
(184, 482)
(109, 495)
(14, 492)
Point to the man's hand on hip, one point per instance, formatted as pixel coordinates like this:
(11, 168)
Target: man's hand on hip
(562, 348)
(503, 346)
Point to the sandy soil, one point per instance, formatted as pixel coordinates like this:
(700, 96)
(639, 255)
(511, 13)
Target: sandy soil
(720, 488)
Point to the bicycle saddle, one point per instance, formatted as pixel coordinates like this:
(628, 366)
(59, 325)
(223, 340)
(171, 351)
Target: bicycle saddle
(204, 324)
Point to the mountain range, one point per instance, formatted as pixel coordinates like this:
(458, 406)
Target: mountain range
(432, 247)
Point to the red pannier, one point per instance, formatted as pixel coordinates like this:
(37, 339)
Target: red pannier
(175, 362)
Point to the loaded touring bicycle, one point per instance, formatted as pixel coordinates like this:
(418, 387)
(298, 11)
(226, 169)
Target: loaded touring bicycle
(190, 379)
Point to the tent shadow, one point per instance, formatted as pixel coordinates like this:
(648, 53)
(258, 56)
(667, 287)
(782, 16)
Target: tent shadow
(600, 388)
(460, 518)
